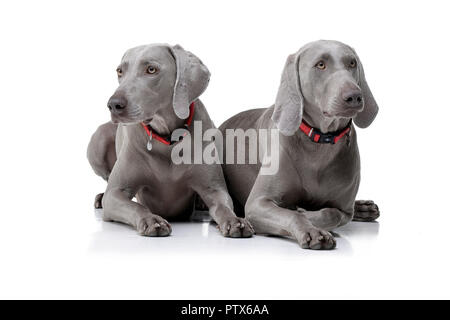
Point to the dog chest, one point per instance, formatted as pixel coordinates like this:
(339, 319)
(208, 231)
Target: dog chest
(330, 179)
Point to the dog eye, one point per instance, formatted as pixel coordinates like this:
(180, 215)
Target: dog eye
(119, 72)
(352, 64)
(321, 65)
(152, 70)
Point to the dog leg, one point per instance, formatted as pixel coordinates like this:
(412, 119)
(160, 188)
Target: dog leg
(327, 218)
(118, 206)
(269, 218)
(221, 210)
(366, 211)
(101, 154)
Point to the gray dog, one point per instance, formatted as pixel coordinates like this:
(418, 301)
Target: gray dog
(159, 86)
(323, 89)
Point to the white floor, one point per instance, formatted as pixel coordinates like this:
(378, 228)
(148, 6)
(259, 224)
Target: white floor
(203, 237)
(68, 256)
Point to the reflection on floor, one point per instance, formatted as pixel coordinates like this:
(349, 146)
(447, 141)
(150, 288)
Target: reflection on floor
(204, 237)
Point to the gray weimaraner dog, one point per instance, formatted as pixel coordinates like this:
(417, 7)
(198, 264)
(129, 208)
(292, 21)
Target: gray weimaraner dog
(323, 89)
(159, 86)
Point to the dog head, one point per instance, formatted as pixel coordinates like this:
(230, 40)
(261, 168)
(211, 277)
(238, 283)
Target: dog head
(157, 81)
(328, 78)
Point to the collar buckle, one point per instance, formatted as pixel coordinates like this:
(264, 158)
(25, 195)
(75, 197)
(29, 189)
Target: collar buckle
(326, 138)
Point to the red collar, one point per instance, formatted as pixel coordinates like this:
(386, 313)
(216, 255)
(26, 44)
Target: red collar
(165, 141)
(319, 137)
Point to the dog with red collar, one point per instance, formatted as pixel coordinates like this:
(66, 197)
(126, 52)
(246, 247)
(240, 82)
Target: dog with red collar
(323, 91)
(158, 92)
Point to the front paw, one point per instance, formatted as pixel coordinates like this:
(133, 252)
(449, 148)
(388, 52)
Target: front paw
(236, 228)
(153, 226)
(366, 211)
(316, 239)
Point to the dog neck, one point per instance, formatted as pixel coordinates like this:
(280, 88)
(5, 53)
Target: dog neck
(158, 120)
(165, 121)
(315, 118)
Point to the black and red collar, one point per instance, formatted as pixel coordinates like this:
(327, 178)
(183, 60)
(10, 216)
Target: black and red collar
(317, 136)
(154, 135)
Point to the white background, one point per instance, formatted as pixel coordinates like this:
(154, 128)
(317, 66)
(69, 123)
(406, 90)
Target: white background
(58, 61)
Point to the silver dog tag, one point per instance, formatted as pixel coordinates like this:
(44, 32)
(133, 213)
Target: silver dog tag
(149, 143)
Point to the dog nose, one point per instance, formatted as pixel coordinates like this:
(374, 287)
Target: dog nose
(353, 98)
(117, 104)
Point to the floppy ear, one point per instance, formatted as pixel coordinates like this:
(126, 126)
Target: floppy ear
(365, 117)
(192, 79)
(288, 110)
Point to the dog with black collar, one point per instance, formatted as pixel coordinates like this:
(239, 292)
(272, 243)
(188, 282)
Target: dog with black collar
(322, 90)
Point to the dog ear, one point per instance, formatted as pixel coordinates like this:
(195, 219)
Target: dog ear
(288, 110)
(191, 81)
(365, 117)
